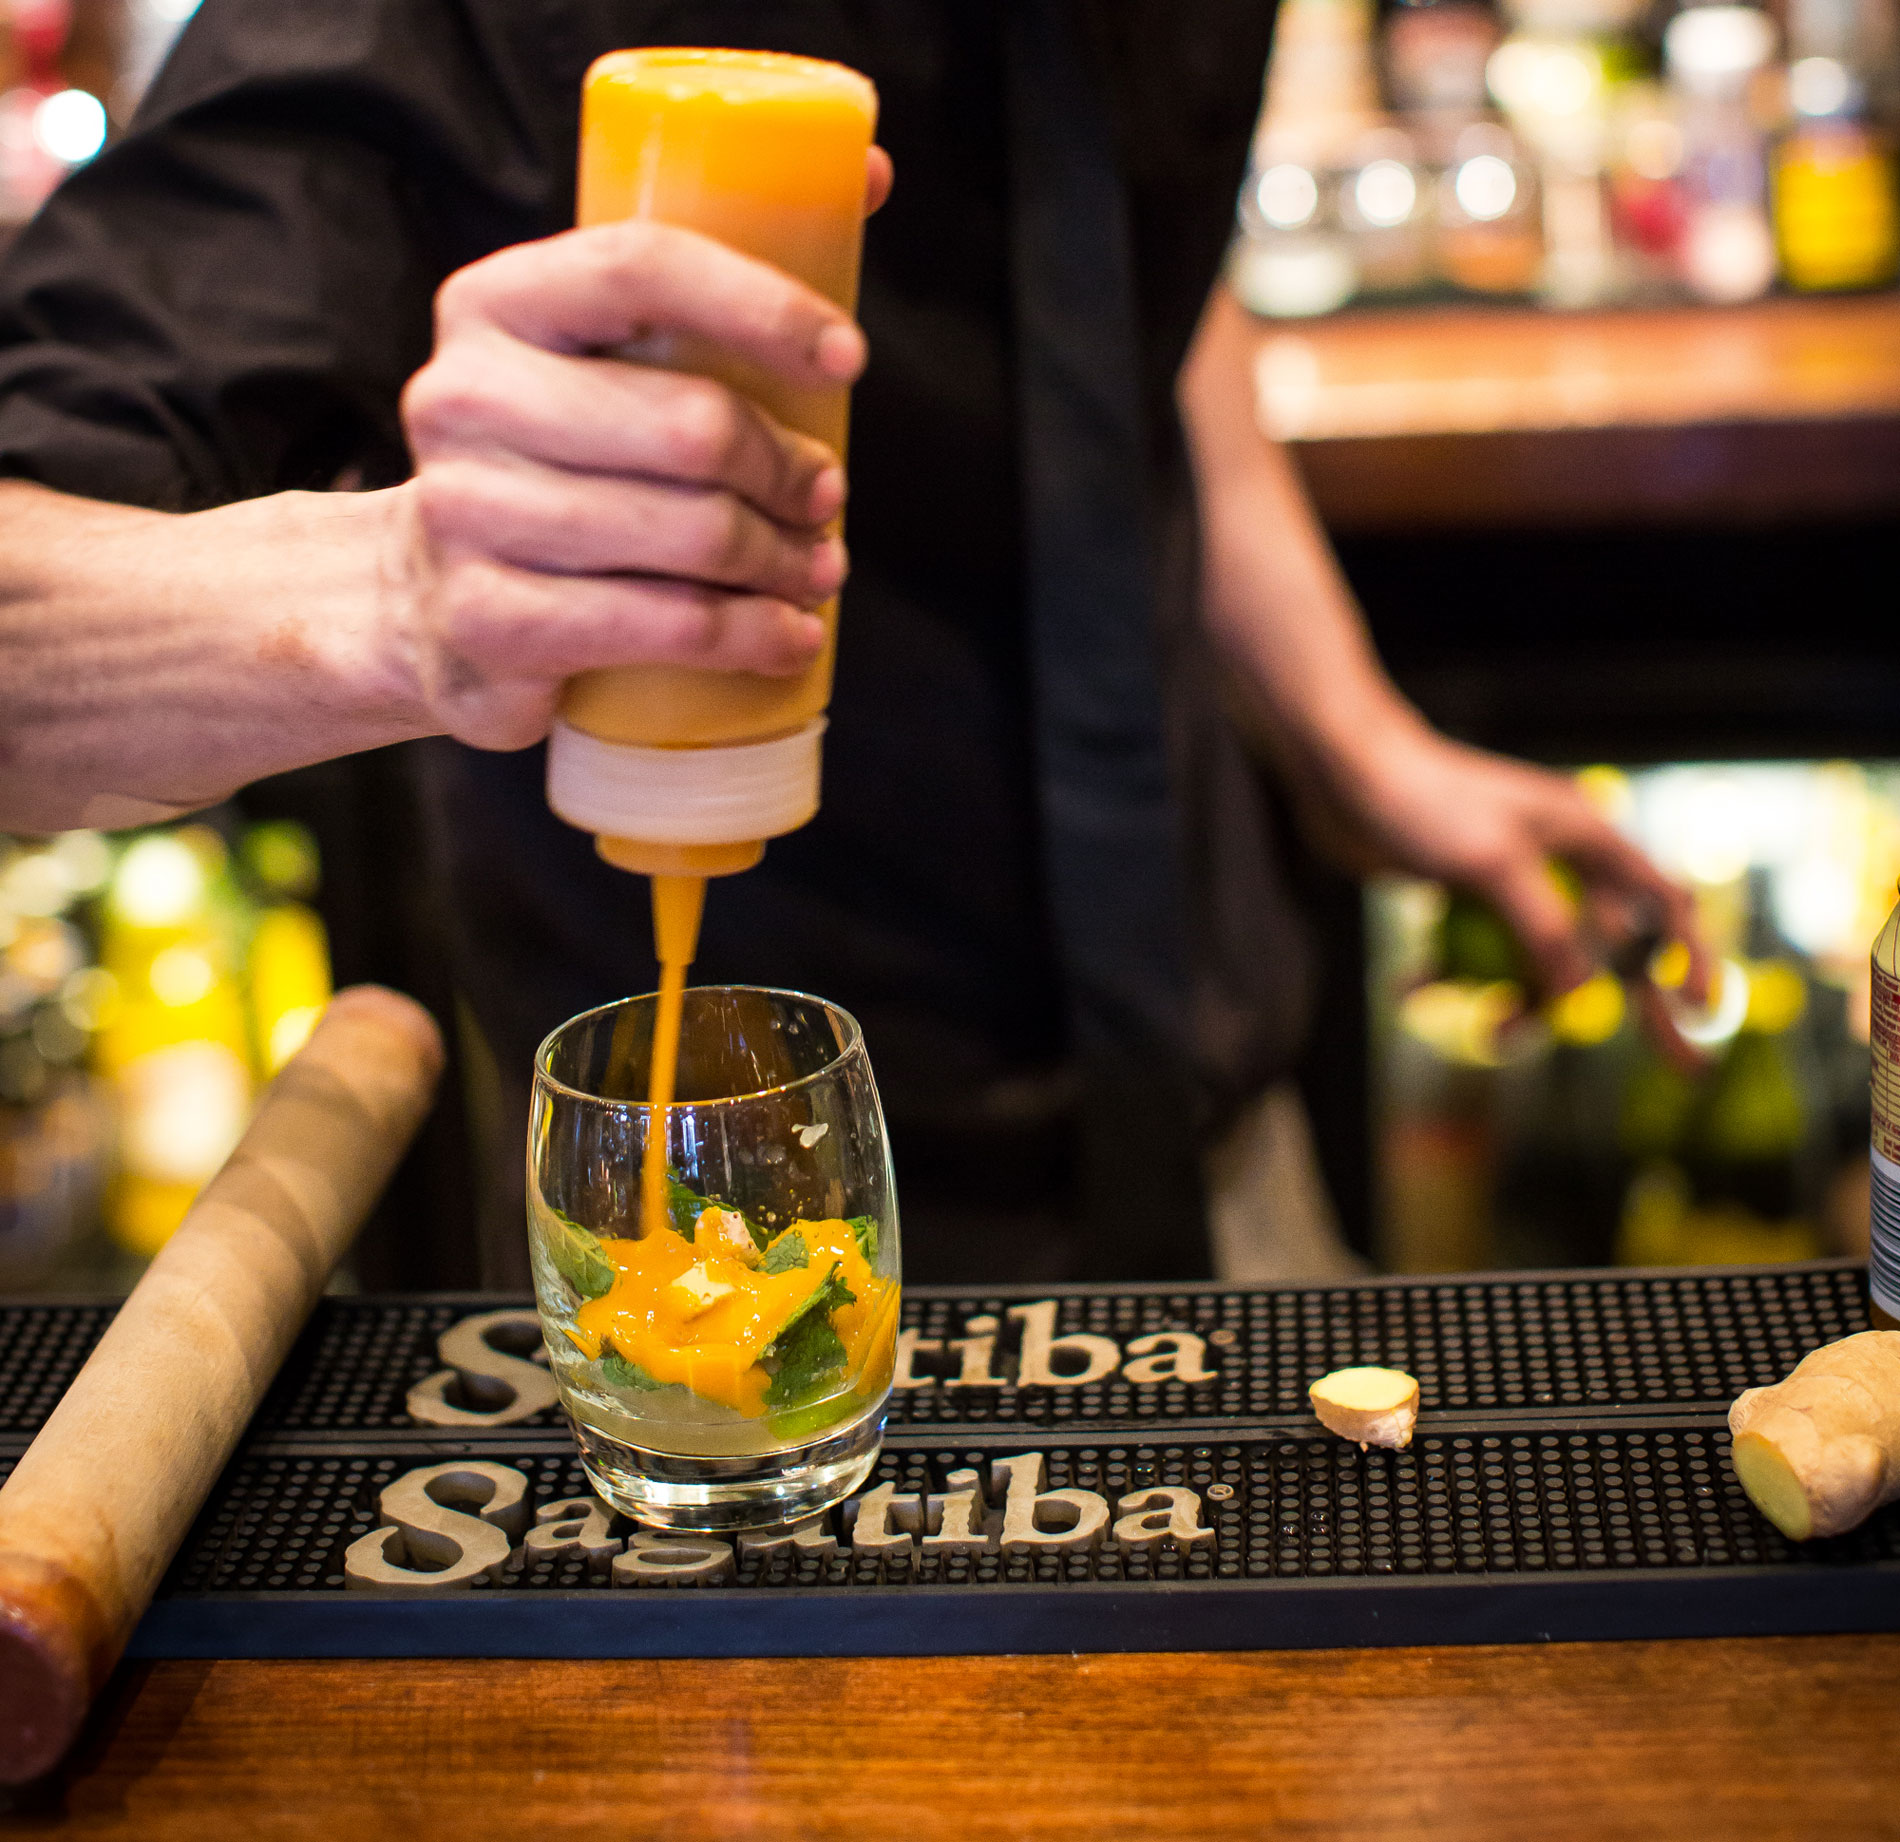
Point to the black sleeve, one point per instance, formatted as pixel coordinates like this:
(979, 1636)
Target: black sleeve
(228, 301)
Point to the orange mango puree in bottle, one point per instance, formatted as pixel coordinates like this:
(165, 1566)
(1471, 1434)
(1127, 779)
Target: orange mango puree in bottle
(701, 1313)
(766, 153)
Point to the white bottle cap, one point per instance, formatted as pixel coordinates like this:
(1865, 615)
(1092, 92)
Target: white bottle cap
(737, 793)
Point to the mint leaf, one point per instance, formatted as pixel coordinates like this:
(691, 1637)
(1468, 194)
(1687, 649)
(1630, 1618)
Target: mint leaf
(808, 1355)
(829, 1296)
(684, 1208)
(577, 1257)
(811, 1361)
(865, 1228)
(616, 1369)
(786, 1254)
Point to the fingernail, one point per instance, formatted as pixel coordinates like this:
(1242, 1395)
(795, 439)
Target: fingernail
(827, 495)
(840, 352)
(829, 563)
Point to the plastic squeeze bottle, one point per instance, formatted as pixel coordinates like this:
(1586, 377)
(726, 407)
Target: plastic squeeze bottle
(682, 773)
(676, 770)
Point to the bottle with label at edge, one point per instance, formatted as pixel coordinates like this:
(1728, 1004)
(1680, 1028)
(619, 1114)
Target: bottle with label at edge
(1883, 1270)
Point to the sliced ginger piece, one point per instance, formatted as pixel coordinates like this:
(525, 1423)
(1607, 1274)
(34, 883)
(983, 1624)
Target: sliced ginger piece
(1819, 1452)
(1372, 1406)
(723, 1231)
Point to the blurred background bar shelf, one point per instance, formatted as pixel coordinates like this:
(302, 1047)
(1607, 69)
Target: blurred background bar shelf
(1477, 418)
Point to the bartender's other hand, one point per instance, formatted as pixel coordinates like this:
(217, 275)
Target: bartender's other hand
(573, 510)
(1410, 799)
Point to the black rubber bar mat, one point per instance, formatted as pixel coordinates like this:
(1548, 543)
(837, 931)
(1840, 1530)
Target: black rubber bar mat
(1569, 1480)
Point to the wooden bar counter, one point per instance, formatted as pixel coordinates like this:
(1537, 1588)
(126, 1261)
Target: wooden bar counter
(1488, 418)
(1735, 1738)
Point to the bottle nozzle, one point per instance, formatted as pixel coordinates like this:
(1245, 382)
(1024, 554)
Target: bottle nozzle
(645, 858)
(679, 903)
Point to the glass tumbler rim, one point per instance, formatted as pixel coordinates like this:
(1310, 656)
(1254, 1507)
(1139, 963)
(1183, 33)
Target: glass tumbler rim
(852, 1045)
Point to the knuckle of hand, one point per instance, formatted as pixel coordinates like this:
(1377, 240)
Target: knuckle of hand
(443, 400)
(418, 405)
(448, 500)
(488, 716)
(776, 647)
(469, 605)
(624, 254)
(725, 542)
(706, 431)
(793, 325)
(698, 623)
(463, 296)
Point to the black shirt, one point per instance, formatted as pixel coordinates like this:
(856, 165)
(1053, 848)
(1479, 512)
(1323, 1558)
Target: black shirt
(228, 302)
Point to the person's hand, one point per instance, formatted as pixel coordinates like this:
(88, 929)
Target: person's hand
(1404, 797)
(572, 510)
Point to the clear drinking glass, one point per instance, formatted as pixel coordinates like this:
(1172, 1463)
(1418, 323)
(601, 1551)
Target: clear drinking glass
(731, 1368)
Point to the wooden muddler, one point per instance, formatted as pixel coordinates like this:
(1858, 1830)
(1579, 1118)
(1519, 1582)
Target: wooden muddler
(103, 1497)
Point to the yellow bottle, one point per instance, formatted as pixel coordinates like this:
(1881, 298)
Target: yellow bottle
(679, 771)
(175, 1045)
(1837, 218)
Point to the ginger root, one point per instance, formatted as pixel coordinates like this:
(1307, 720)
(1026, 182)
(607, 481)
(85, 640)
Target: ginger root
(1820, 1452)
(1373, 1406)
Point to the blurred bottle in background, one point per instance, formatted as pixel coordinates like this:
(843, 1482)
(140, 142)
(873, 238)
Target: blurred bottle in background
(1648, 208)
(1293, 258)
(1384, 208)
(55, 1122)
(176, 1049)
(1714, 56)
(1599, 184)
(149, 984)
(1568, 1137)
(1729, 1168)
(1490, 213)
(221, 972)
(1485, 208)
(288, 956)
(1434, 53)
(1835, 220)
(1562, 1171)
(1295, 255)
(1883, 1266)
(48, 126)
(1557, 77)
(1451, 970)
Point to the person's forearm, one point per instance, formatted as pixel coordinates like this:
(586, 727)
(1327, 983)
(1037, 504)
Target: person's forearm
(1377, 786)
(1275, 602)
(569, 513)
(152, 663)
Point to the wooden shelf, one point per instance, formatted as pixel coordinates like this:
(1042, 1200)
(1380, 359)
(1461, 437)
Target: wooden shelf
(1474, 417)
